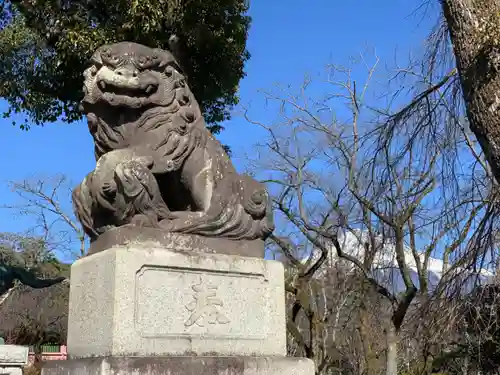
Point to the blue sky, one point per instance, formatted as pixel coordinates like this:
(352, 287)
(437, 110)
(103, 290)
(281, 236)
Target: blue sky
(287, 40)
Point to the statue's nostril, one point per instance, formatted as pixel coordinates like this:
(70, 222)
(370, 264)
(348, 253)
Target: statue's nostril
(127, 72)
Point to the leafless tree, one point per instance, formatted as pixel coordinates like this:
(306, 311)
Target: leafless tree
(323, 313)
(47, 202)
(344, 165)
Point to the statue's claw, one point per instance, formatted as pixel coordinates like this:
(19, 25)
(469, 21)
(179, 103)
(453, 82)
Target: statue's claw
(109, 188)
(142, 221)
(181, 220)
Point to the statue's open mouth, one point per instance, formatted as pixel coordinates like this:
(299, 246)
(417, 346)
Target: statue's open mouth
(133, 91)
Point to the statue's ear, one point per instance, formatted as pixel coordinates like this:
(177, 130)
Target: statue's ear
(166, 57)
(176, 48)
(174, 43)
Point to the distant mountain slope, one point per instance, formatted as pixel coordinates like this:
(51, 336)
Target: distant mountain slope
(386, 271)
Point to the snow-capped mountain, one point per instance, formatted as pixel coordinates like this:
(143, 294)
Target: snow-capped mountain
(385, 268)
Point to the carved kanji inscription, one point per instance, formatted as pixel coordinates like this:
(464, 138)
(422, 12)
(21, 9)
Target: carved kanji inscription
(206, 306)
(181, 302)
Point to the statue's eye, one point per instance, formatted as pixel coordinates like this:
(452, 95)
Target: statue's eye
(110, 57)
(148, 62)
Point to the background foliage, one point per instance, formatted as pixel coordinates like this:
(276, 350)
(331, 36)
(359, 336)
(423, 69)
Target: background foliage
(44, 46)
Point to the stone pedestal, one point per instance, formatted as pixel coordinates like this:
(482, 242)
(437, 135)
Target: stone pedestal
(12, 359)
(149, 307)
(147, 300)
(186, 365)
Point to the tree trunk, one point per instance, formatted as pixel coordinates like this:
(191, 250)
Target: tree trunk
(474, 27)
(392, 351)
(366, 339)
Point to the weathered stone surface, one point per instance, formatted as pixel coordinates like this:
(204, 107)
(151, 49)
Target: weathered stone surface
(148, 300)
(156, 163)
(181, 366)
(131, 235)
(17, 370)
(12, 355)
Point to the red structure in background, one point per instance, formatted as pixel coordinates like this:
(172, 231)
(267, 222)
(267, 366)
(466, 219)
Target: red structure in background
(50, 353)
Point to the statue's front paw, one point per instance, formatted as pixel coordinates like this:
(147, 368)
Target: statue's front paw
(181, 220)
(109, 188)
(167, 225)
(141, 220)
(104, 228)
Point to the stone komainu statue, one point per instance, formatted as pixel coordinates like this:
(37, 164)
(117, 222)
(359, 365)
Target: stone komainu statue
(157, 164)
